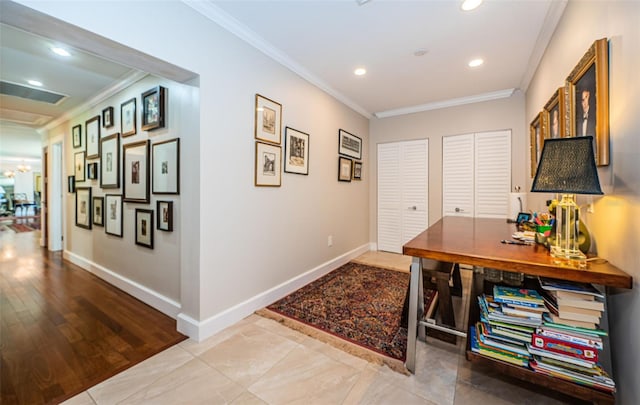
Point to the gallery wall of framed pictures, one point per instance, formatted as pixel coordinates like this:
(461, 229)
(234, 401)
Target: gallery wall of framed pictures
(120, 159)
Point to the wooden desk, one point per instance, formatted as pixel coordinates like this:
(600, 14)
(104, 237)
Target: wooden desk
(476, 241)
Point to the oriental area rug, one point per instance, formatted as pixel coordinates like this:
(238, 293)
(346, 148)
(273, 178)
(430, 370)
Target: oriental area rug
(20, 224)
(356, 308)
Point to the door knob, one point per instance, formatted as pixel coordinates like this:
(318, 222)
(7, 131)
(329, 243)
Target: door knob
(413, 208)
(459, 209)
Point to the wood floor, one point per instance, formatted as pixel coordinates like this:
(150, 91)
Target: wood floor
(62, 329)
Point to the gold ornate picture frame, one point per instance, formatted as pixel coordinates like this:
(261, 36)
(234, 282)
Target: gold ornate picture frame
(536, 136)
(555, 115)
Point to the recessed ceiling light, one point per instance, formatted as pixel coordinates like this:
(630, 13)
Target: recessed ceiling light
(468, 5)
(420, 52)
(360, 71)
(34, 83)
(476, 63)
(362, 2)
(60, 51)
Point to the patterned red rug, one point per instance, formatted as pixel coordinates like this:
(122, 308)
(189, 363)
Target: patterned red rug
(359, 304)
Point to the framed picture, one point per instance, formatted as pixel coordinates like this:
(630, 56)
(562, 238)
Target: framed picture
(166, 167)
(92, 128)
(589, 99)
(76, 135)
(71, 184)
(555, 115)
(349, 144)
(268, 123)
(113, 214)
(128, 117)
(296, 151)
(107, 117)
(135, 168)
(144, 228)
(98, 211)
(83, 207)
(536, 141)
(164, 211)
(357, 170)
(153, 102)
(345, 166)
(79, 166)
(92, 171)
(267, 170)
(110, 161)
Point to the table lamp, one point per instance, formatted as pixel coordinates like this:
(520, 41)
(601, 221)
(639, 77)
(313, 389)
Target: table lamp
(567, 166)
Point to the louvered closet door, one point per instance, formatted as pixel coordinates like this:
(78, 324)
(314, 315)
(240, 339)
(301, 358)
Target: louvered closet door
(492, 174)
(457, 175)
(402, 193)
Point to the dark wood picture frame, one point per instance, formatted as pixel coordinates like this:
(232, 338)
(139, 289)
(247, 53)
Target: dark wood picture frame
(555, 115)
(153, 108)
(92, 171)
(97, 211)
(164, 212)
(144, 228)
(166, 167)
(76, 136)
(113, 215)
(349, 145)
(110, 161)
(589, 87)
(128, 117)
(92, 131)
(268, 120)
(71, 184)
(135, 172)
(107, 117)
(83, 207)
(345, 168)
(79, 166)
(296, 151)
(357, 171)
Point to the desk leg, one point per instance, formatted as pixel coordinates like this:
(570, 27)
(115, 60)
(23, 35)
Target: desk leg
(414, 283)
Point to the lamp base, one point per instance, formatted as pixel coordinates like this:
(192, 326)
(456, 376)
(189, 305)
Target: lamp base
(557, 251)
(567, 244)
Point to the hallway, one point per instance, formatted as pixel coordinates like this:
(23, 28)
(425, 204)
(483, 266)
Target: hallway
(63, 329)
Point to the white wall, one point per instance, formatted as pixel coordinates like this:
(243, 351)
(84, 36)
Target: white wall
(500, 114)
(616, 222)
(251, 239)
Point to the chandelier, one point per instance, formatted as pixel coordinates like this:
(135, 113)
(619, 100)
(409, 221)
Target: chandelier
(22, 168)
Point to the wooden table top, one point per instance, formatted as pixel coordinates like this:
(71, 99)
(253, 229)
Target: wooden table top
(476, 241)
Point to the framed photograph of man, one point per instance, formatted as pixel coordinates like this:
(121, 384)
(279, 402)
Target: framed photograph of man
(536, 134)
(113, 214)
(128, 117)
(107, 117)
(345, 167)
(79, 167)
(349, 145)
(267, 170)
(83, 207)
(166, 167)
(92, 129)
(110, 161)
(153, 108)
(555, 115)
(135, 172)
(76, 135)
(164, 210)
(98, 211)
(268, 122)
(589, 105)
(296, 151)
(144, 228)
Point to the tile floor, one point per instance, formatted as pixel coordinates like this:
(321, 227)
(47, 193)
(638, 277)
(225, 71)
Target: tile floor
(259, 361)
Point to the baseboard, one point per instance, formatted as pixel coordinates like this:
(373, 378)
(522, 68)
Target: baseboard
(200, 330)
(158, 301)
(373, 246)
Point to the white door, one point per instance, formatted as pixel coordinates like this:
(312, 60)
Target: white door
(476, 174)
(402, 193)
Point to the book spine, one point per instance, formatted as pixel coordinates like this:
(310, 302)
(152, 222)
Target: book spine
(564, 347)
(515, 301)
(585, 341)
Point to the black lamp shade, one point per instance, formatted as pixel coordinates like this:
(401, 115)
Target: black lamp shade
(567, 165)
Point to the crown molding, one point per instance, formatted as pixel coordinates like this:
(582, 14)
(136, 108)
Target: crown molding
(127, 81)
(223, 19)
(454, 102)
(551, 20)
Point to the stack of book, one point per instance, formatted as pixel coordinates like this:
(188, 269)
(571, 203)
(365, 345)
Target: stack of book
(566, 347)
(508, 320)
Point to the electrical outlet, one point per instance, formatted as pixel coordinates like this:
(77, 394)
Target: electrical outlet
(330, 240)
